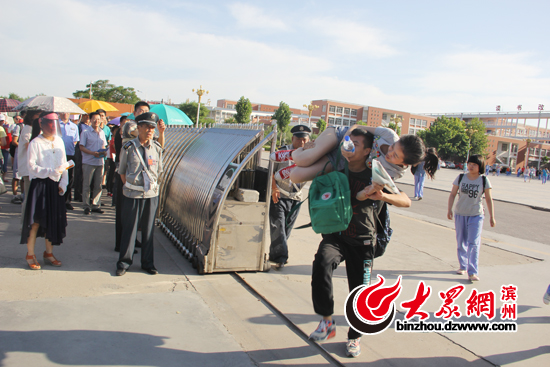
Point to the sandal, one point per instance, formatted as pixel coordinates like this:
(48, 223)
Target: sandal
(33, 263)
(474, 278)
(49, 258)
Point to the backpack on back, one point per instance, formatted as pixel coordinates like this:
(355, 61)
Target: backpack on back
(329, 197)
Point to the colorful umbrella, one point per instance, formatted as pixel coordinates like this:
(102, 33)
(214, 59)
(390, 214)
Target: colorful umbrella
(49, 103)
(115, 121)
(170, 115)
(7, 105)
(91, 106)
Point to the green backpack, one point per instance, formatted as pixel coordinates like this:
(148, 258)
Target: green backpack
(329, 197)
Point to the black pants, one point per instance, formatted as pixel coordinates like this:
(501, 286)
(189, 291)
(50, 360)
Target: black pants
(118, 211)
(137, 213)
(334, 249)
(281, 224)
(70, 185)
(110, 179)
(78, 174)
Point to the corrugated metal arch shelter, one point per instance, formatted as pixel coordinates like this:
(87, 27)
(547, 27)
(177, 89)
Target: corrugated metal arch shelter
(203, 168)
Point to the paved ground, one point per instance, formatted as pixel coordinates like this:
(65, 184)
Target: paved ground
(83, 315)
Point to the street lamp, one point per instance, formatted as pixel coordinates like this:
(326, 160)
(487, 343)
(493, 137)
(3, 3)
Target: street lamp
(310, 108)
(541, 108)
(397, 121)
(200, 92)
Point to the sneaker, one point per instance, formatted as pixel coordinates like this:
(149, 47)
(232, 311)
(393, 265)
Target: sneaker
(461, 271)
(474, 278)
(281, 156)
(546, 298)
(97, 210)
(419, 198)
(353, 347)
(325, 331)
(284, 173)
(16, 200)
(87, 211)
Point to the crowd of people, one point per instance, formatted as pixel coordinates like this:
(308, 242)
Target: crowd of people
(54, 153)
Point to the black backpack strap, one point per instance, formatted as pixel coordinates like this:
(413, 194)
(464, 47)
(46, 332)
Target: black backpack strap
(460, 177)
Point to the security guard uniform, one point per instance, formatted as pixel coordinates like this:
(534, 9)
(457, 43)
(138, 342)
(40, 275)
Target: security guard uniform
(280, 217)
(142, 166)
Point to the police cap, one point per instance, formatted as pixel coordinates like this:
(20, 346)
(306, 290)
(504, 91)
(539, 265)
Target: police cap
(300, 131)
(149, 118)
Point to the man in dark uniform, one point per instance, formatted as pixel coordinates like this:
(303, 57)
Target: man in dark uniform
(139, 169)
(285, 196)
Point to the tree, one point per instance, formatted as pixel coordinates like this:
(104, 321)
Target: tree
(15, 96)
(395, 128)
(244, 109)
(283, 116)
(544, 160)
(190, 109)
(102, 90)
(230, 120)
(321, 125)
(450, 137)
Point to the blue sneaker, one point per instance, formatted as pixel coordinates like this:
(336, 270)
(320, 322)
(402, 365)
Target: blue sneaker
(353, 347)
(546, 298)
(325, 331)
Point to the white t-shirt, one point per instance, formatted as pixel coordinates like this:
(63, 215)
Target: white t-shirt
(470, 195)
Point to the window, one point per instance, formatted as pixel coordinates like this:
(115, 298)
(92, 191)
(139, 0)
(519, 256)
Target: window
(514, 148)
(345, 122)
(230, 106)
(339, 110)
(412, 122)
(354, 112)
(331, 109)
(424, 123)
(384, 116)
(346, 111)
(504, 146)
(324, 108)
(331, 120)
(338, 121)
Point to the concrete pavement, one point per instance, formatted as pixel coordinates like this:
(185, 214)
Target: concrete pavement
(81, 314)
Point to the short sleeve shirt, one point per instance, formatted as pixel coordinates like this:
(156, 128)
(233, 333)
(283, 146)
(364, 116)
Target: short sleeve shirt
(132, 168)
(470, 195)
(93, 141)
(70, 136)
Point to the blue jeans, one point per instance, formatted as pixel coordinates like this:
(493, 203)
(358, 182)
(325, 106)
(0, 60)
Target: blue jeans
(419, 185)
(6, 157)
(468, 239)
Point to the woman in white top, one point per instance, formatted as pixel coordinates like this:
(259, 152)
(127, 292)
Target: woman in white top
(45, 212)
(469, 214)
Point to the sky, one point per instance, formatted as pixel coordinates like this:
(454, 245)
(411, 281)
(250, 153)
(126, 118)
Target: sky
(414, 56)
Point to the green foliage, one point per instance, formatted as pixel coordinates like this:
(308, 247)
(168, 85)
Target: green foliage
(283, 116)
(230, 120)
(321, 125)
(395, 128)
(361, 122)
(207, 121)
(190, 109)
(244, 109)
(450, 137)
(14, 96)
(102, 90)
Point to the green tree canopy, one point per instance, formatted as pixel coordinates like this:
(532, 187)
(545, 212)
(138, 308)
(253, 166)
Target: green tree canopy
(321, 125)
(395, 127)
(190, 109)
(230, 120)
(244, 109)
(450, 136)
(102, 90)
(283, 115)
(14, 96)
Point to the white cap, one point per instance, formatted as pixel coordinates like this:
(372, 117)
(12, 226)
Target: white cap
(2, 117)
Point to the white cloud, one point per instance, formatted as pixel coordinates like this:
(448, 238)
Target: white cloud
(249, 16)
(350, 38)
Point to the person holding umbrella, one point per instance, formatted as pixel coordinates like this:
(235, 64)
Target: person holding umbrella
(45, 212)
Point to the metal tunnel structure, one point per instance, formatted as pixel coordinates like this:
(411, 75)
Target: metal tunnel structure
(203, 169)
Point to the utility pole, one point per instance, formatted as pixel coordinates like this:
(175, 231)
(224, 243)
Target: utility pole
(199, 93)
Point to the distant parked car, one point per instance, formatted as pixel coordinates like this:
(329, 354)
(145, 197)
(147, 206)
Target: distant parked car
(450, 164)
(459, 166)
(442, 164)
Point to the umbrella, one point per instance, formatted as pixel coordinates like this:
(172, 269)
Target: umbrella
(115, 121)
(170, 115)
(7, 105)
(91, 106)
(48, 103)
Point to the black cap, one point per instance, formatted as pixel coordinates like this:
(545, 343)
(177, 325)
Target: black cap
(300, 131)
(149, 118)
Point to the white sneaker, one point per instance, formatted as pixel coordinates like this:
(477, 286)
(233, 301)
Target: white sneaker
(325, 331)
(353, 347)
